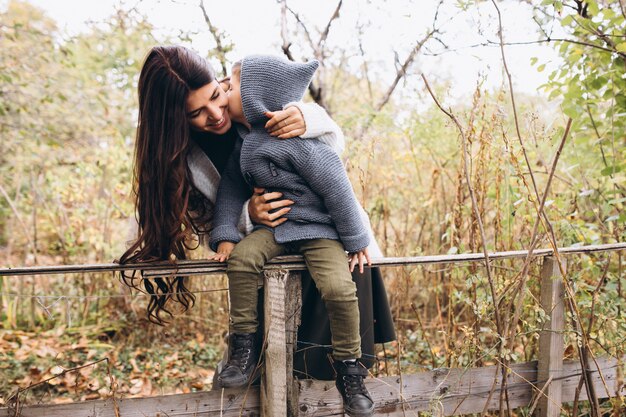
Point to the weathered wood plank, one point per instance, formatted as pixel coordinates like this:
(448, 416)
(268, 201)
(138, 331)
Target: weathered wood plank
(274, 381)
(295, 262)
(293, 306)
(450, 391)
(199, 404)
(453, 391)
(551, 339)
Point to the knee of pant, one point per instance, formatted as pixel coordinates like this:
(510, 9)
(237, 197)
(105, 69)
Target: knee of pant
(243, 260)
(339, 291)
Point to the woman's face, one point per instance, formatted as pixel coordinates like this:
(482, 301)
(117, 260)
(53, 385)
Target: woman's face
(207, 109)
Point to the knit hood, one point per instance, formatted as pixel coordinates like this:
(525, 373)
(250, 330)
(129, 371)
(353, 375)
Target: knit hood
(268, 83)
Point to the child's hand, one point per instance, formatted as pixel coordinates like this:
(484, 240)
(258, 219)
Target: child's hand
(360, 257)
(223, 251)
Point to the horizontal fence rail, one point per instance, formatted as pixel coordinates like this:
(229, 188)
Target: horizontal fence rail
(295, 262)
(542, 385)
(443, 392)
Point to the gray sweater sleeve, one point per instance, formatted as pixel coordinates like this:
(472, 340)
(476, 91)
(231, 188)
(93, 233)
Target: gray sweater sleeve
(231, 196)
(323, 170)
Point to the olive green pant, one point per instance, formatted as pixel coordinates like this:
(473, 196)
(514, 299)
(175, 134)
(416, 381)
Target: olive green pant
(326, 261)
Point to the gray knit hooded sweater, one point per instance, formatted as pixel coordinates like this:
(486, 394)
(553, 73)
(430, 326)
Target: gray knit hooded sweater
(305, 171)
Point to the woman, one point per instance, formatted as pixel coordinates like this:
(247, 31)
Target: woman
(184, 138)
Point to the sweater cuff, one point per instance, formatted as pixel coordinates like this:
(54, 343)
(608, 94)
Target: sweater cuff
(320, 126)
(357, 242)
(316, 119)
(245, 225)
(224, 233)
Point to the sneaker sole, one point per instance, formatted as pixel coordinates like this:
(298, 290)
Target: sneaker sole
(256, 377)
(361, 413)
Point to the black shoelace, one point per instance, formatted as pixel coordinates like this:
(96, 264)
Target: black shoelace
(354, 385)
(241, 353)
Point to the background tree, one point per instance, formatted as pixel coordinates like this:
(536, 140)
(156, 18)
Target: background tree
(592, 87)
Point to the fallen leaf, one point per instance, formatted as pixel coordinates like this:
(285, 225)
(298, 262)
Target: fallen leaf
(56, 370)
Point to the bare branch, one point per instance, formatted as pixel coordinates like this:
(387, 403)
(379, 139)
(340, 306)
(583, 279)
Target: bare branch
(283, 30)
(219, 47)
(324, 35)
(534, 240)
(548, 40)
(512, 95)
(301, 23)
(403, 69)
(440, 41)
(510, 326)
(622, 8)
(314, 89)
(401, 73)
(399, 76)
(541, 28)
(365, 66)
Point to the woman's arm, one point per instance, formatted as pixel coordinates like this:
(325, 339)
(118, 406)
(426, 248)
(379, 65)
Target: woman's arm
(231, 197)
(307, 120)
(267, 208)
(206, 179)
(320, 125)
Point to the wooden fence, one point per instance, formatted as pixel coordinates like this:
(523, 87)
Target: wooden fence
(542, 385)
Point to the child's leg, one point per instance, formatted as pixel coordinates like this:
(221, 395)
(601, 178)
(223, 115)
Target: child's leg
(244, 268)
(328, 265)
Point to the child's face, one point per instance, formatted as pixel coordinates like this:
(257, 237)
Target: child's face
(235, 107)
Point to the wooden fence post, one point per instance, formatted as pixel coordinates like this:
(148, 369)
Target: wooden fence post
(274, 381)
(293, 306)
(551, 340)
(279, 394)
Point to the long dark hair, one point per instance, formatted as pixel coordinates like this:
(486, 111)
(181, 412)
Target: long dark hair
(164, 196)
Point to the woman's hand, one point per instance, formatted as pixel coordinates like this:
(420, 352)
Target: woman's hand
(285, 124)
(224, 250)
(260, 205)
(359, 257)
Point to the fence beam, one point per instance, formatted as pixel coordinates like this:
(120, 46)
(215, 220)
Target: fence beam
(441, 392)
(551, 340)
(294, 262)
(293, 308)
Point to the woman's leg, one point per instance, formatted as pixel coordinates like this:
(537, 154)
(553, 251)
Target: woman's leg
(312, 357)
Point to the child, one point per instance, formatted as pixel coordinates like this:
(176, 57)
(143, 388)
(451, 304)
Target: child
(323, 223)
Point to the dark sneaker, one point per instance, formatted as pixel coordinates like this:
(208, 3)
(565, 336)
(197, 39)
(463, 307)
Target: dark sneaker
(242, 361)
(357, 401)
